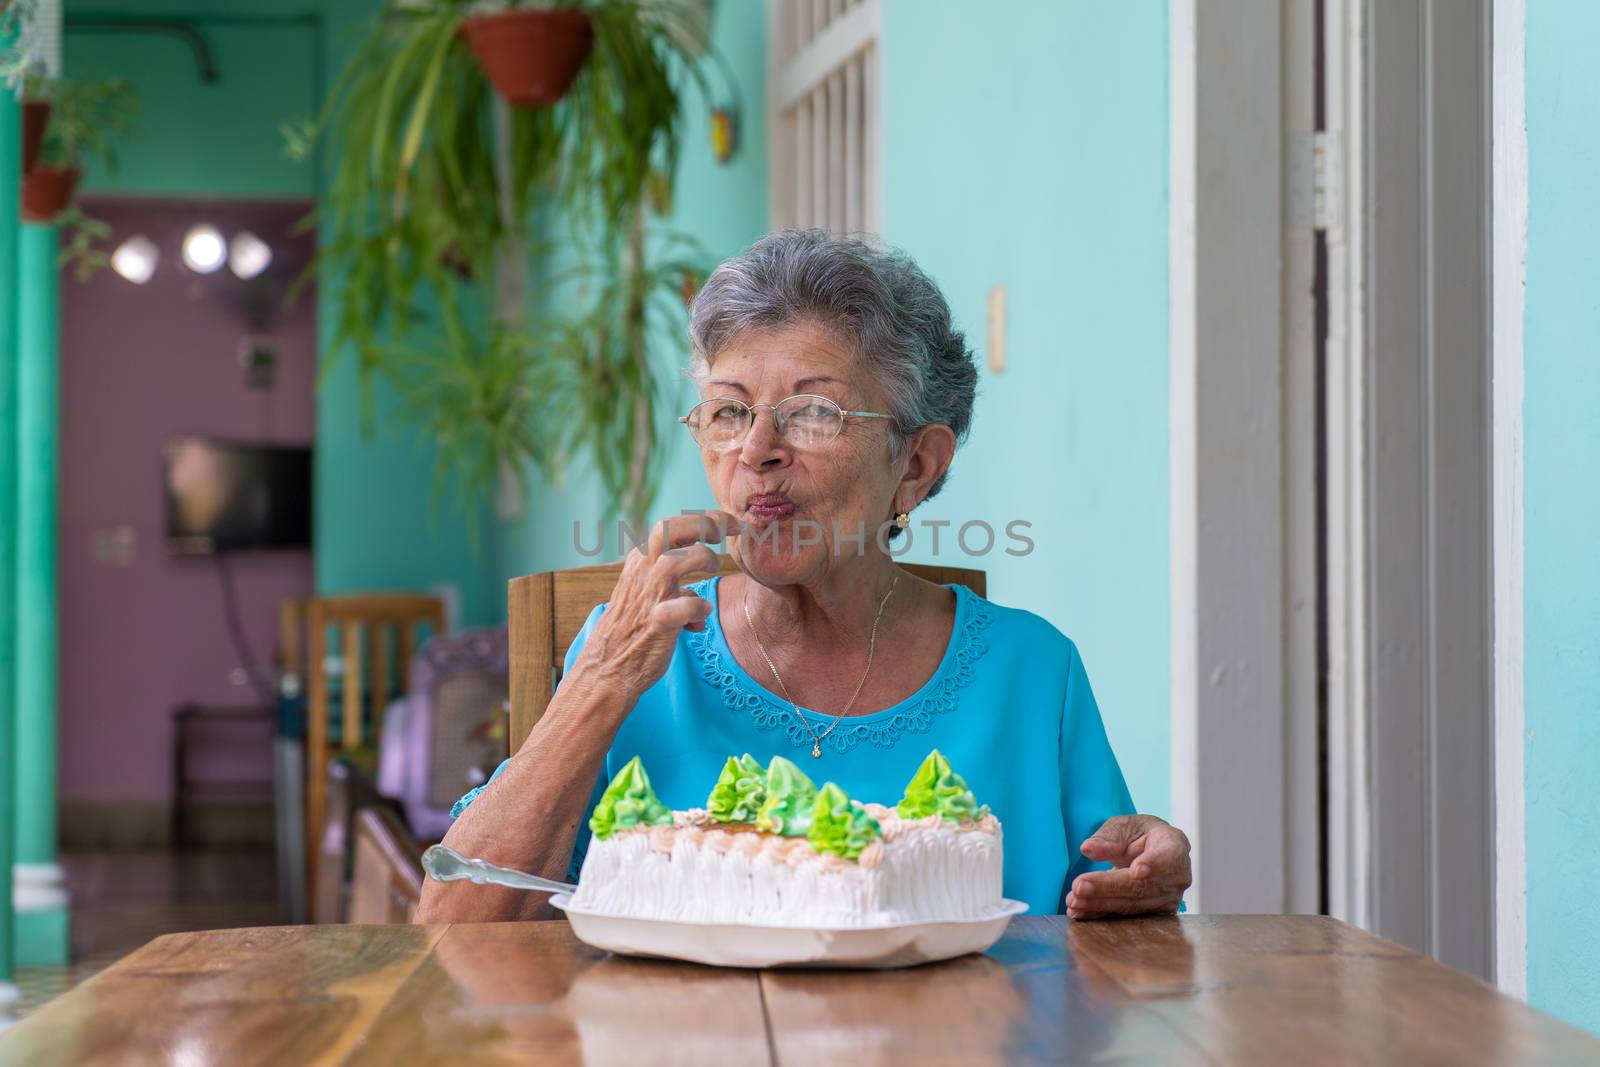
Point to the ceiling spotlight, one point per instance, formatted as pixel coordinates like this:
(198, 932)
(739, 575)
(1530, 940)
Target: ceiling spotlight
(136, 258)
(248, 255)
(204, 250)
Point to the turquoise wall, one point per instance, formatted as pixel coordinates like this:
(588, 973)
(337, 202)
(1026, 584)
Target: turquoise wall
(1561, 668)
(1026, 146)
(216, 140)
(375, 528)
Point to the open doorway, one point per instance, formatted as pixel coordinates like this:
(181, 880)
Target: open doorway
(1332, 571)
(184, 353)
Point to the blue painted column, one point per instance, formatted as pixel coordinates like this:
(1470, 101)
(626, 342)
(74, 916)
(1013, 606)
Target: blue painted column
(38, 896)
(10, 165)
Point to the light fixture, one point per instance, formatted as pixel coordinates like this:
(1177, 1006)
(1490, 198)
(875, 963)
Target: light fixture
(136, 258)
(248, 255)
(204, 250)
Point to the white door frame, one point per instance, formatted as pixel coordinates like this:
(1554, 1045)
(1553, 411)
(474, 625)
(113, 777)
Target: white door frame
(1510, 274)
(1244, 701)
(1422, 707)
(1349, 802)
(1416, 557)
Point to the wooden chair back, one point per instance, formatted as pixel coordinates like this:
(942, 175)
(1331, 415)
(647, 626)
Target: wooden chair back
(547, 610)
(386, 871)
(365, 623)
(292, 616)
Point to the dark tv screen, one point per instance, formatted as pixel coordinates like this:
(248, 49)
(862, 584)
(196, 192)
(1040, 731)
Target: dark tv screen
(223, 497)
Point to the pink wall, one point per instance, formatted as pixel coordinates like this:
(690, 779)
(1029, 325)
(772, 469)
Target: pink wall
(142, 632)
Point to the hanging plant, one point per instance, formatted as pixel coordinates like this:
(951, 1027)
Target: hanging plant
(448, 212)
(609, 388)
(479, 401)
(83, 242)
(84, 123)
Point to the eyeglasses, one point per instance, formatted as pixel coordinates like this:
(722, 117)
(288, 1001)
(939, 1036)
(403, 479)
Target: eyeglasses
(805, 420)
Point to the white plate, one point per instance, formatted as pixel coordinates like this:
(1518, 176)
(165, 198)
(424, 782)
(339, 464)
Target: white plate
(730, 945)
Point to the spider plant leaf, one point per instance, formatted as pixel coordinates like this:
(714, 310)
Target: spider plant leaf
(420, 112)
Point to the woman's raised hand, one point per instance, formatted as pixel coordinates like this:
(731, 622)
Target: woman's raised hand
(632, 643)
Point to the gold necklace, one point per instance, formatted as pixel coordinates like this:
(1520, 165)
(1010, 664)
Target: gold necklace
(872, 646)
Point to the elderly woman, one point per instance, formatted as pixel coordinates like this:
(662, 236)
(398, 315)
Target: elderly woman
(834, 391)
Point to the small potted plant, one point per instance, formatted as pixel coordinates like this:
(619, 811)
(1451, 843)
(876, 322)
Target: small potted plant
(85, 121)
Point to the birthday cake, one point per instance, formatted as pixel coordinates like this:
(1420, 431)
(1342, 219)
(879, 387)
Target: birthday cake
(772, 849)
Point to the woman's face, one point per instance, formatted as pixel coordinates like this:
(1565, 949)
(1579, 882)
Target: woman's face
(806, 510)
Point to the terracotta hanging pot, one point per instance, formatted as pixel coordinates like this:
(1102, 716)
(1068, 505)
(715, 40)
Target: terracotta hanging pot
(530, 57)
(46, 192)
(35, 117)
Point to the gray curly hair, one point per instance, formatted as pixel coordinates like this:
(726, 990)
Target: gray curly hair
(877, 300)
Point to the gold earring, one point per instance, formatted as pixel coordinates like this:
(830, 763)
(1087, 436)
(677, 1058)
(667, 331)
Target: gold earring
(902, 520)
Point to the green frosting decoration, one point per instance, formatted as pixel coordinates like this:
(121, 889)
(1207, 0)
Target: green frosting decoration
(936, 789)
(739, 791)
(628, 802)
(790, 797)
(839, 825)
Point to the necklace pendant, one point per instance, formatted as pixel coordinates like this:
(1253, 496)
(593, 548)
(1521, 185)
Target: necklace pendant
(816, 751)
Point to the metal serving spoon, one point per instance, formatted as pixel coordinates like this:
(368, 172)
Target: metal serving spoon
(447, 865)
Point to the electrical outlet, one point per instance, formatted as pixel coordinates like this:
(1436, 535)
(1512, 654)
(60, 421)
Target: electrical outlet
(259, 357)
(114, 547)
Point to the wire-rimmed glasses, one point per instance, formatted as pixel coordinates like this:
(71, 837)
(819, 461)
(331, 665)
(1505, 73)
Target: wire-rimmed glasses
(805, 420)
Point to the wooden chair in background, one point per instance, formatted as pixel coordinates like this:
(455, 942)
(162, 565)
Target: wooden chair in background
(386, 869)
(547, 610)
(365, 624)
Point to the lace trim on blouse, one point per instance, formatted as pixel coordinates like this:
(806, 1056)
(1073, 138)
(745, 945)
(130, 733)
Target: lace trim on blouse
(883, 732)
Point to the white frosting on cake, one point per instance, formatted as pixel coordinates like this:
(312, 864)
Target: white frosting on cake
(693, 871)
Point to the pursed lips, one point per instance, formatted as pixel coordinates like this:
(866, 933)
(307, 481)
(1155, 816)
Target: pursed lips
(768, 507)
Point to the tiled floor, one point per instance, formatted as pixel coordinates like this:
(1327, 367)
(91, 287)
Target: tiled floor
(120, 900)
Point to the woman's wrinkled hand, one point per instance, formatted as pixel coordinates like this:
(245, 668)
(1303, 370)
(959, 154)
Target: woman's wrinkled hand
(1150, 870)
(633, 641)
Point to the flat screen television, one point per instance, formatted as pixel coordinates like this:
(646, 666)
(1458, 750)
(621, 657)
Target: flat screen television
(223, 497)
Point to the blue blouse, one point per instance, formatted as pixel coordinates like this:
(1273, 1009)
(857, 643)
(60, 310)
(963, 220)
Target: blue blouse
(1009, 705)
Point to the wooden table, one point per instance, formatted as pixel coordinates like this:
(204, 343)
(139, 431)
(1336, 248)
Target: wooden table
(1228, 989)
